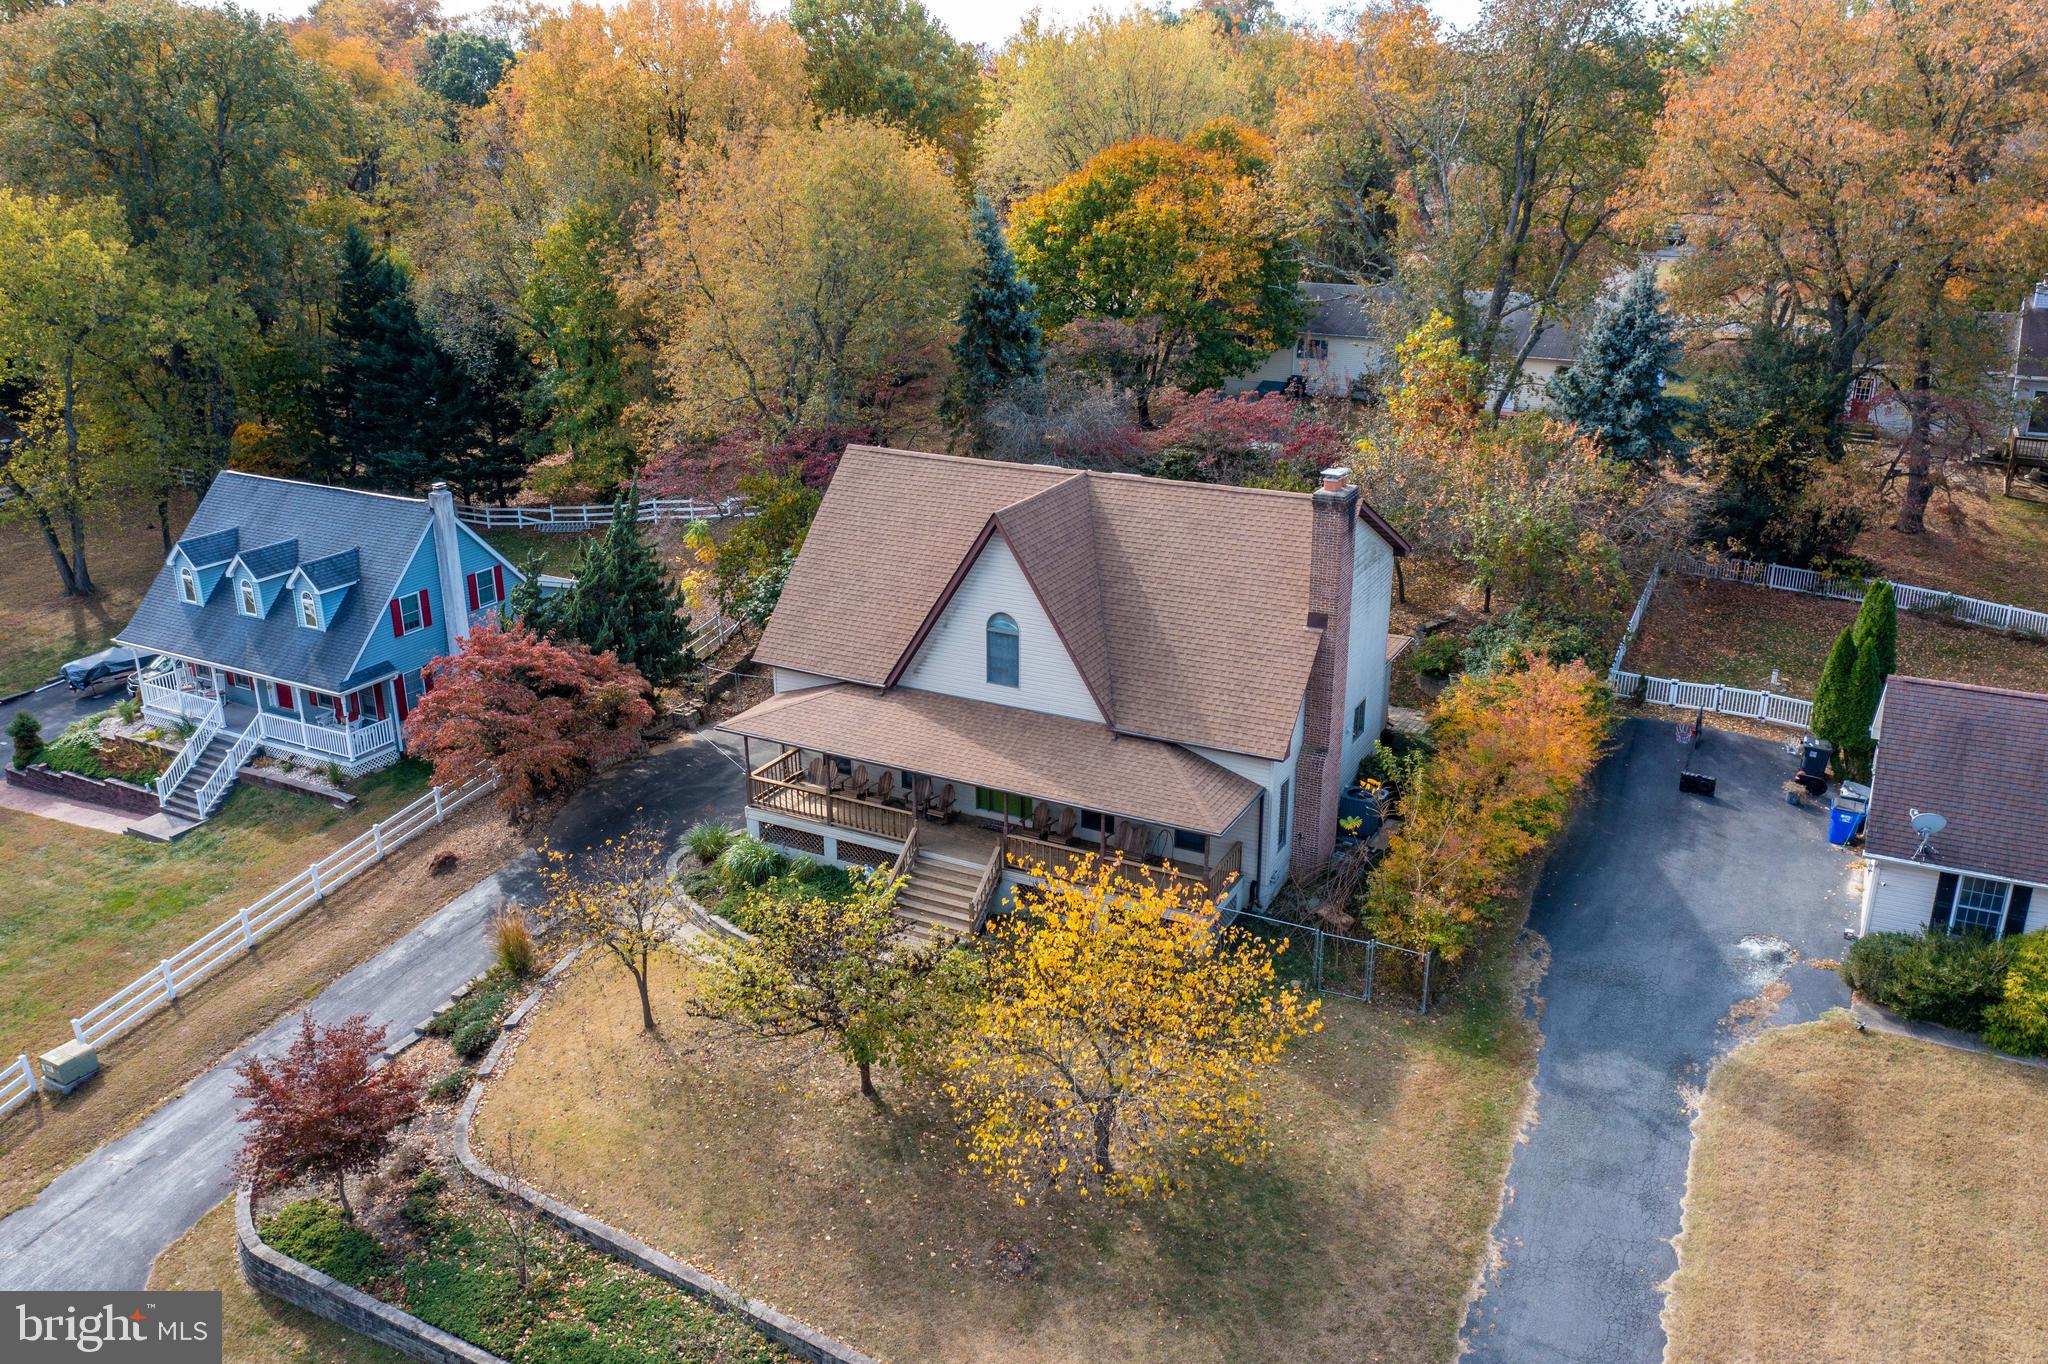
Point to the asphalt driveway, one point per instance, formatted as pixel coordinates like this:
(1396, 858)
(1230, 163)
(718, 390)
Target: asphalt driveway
(1674, 923)
(56, 705)
(101, 1223)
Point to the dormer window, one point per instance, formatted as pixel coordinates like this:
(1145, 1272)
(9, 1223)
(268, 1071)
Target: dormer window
(188, 585)
(247, 590)
(1002, 651)
(309, 610)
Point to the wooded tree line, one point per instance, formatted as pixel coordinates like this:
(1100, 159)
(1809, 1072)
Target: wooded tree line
(594, 243)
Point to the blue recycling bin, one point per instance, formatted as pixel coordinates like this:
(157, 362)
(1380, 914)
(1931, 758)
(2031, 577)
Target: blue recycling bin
(1845, 817)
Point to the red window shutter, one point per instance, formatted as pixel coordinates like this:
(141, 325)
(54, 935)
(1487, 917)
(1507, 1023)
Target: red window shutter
(397, 619)
(498, 579)
(355, 705)
(470, 578)
(337, 709)
(284, 696)
(377, 695)
(426, 679)
(426, 611)
(398, 694)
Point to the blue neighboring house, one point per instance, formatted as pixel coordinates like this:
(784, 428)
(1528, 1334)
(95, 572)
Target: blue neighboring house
(295, 618)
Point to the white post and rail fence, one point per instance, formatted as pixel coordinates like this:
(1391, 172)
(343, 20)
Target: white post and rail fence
(235, 937)
(598, 515)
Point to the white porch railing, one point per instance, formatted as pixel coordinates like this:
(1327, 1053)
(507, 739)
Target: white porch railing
(176, 702)
(328, 741)
(216, 787)
(167, 780)
(233, 937)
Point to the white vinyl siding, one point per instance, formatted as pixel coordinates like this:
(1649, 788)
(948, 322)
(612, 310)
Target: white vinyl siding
(1365, 675)
(1898, 897)
(954, 657)
(789, 679)
(1268, 869)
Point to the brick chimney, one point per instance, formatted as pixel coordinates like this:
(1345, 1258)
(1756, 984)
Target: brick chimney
(1333, 530)
(448, 549)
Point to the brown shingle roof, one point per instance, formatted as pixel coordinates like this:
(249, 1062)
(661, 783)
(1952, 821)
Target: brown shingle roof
(977, 743)
(1977, 756)
(1184, 605)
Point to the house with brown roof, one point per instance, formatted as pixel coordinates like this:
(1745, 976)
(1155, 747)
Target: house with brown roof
(1978, 758)
(978, 663)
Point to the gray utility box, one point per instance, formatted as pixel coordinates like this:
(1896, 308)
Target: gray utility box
(67, 1067)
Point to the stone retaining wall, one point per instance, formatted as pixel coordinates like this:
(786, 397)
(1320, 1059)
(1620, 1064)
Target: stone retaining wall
(803, 1341)
(270, 1271)
(110, 794)
(272, 780)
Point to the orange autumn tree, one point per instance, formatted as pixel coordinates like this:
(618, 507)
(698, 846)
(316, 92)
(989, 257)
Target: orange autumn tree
(1511, 748)
(539, 716)
(1119, 1037)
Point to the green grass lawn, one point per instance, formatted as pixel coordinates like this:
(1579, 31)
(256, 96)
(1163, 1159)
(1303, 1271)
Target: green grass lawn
(83, 913)
(553, 551)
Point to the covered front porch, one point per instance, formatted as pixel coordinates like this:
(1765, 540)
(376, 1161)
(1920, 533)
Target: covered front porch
(852, 776)
(357, 730)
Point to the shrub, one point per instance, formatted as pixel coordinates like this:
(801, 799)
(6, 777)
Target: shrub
(703, 883)
(474, 1037)
(747, 861)
(77, 749)
(708, 841)
(129, 708)
(313, 1232)
(422, 1207)
(1438, 655)
(27, 733)
(483, 1002)
(451, 1086)
(512, 936)
(1932, 977)
(2018, 1023)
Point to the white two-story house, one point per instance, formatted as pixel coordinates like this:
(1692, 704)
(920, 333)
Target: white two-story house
(979, 664)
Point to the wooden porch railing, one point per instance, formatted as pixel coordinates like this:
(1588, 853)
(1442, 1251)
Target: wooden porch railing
(1160, 874)
(771, 786)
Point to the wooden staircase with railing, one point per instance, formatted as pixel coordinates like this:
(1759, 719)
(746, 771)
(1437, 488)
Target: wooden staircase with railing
(946, 895)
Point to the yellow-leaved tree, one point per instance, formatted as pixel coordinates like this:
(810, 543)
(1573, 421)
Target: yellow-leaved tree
(1119, 1037)
(616, 896)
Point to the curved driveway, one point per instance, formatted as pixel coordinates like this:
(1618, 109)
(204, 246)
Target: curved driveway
(1673, 923)
(101, 1223)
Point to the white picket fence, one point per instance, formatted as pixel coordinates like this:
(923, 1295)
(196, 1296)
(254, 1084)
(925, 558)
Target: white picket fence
(598, 515)
(1712, 697)
(1990, 615)
(18, 1084)
(177, 974)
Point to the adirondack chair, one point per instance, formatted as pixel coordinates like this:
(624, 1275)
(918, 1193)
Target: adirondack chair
(860, 780)
(1064, 831)
(892, 792)
(920, 795)
(940, 811)
(884, 783)
(818, 772)
(1041, 819)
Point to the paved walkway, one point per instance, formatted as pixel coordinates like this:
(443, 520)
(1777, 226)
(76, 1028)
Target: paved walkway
(43, 805)
(1674, 923)
(102, 1222)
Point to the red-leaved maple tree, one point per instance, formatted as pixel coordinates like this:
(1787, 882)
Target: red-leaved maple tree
(322, 1110)
(539, 716)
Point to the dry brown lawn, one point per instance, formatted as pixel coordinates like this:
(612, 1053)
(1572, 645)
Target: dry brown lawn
(1357, 1240)
(1699, 631)
(39, 628)
(255, 1328)
(1863, 1197)
(149, 1064)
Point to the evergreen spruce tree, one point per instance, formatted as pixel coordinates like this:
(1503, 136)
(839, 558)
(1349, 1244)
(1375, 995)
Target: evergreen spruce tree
(398, 407)
(497, 452)
(624, 603)
(999, 338)
(1615, 386)
(526, 603)
(1834, 700)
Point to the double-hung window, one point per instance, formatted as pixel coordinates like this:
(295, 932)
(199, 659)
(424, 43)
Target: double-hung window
(309, 610)
(1286, 812)
(1980, 906)
(188, 585)
(248, 591)
(411, 612)
(484, 588)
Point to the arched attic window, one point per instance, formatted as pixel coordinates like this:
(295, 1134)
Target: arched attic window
(309, 610)
(1002, 651)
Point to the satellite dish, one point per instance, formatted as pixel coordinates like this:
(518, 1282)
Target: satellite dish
(1926, 824)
